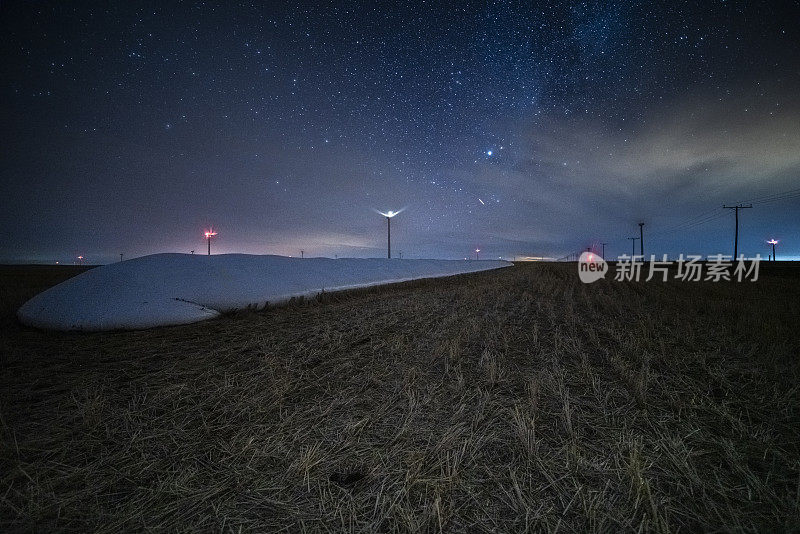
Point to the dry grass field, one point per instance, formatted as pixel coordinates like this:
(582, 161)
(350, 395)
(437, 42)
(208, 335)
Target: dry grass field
(516, 400)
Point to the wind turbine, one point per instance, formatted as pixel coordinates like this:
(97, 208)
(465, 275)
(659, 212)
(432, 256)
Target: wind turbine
(209, 234)
(773, 242)
(389, 214)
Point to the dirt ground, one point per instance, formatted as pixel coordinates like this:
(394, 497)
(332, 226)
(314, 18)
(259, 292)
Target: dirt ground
(509, 400)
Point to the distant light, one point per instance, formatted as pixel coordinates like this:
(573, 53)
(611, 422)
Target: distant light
(773, 241)
(209, 234)
(390, 213)
(477, 250)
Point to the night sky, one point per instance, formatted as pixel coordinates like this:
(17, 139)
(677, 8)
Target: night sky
(520, 128)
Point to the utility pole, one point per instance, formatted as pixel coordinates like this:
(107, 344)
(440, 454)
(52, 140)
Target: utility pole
(736, 209)
(633, 246)
(604, 249)
(641, 239)
(301, 254)
(120, 256)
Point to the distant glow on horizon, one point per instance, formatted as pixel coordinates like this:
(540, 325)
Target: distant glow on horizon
(534, 258)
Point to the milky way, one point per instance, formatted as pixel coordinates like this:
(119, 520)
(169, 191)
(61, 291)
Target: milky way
(524, 128)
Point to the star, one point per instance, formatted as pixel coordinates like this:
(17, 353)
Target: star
(351, 108)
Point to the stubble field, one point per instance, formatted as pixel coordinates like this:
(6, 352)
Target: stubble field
(508, 400)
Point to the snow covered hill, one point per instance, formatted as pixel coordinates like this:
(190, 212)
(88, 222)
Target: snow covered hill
(170, 289)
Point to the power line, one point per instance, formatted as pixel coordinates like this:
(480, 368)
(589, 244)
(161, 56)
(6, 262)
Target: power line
(717, 213)
(694, 221)
(777, 199)
(707, 217)
(791, 193)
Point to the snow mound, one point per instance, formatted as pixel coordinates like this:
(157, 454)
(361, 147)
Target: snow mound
(171, 289)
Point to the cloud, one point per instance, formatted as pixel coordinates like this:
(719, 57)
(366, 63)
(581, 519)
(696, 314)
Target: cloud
(575, 178)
